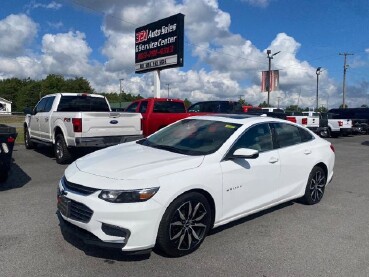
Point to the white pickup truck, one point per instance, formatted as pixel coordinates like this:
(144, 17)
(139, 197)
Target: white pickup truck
(338, 126)
(311, 120)
(70, 120)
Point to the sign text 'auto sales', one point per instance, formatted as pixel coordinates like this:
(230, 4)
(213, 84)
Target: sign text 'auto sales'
(159, 44)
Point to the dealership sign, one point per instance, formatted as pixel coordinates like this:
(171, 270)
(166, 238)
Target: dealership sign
(159, 44)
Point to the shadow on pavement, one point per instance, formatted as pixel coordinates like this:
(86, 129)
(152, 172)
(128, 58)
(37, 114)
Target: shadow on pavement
(17, 178)
(366, 143)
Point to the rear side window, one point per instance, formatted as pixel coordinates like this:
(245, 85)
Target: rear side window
(258, 137)
(132, 108)
(82, 104)
(143, 107)
(305, 135)
(169, 107)
(286, 134)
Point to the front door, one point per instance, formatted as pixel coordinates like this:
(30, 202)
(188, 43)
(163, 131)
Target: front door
(250, 184)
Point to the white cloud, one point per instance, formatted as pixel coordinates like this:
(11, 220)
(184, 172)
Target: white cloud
(258, 3)
(16, 33)
(52, 5)
(66, 54)
(227, 64)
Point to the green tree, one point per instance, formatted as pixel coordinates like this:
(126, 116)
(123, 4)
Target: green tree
(293, 108)
(264, 105)
(187, 103)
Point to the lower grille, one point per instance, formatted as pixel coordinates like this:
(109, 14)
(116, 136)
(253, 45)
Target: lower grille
(74, 210)
(80, 212)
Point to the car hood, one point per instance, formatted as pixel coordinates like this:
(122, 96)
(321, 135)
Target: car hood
(132, 161)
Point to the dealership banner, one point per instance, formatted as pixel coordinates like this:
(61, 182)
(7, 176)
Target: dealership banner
(159, 44)
(273, 82)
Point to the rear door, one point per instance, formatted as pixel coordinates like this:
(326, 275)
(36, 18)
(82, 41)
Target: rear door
(295, 148)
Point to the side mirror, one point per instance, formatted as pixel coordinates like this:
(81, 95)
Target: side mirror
(244, 153)
(28, 111)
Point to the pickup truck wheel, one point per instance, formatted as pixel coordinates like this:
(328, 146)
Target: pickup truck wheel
(184, 225)
(315, 186)
(62, 153)
(325, 133)
(27, 142)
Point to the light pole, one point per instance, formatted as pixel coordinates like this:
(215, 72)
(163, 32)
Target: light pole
(120, 92)
(270, 57)
(278, 98)
(168, 89)
(318, 71)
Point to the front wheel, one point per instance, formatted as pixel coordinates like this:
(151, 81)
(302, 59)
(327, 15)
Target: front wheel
(184, 225)
(315, 186)
(61, 151)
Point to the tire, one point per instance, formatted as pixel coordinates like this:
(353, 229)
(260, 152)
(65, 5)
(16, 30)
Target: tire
(184, 225)
(315, 186)
(61, 151)
(27, 142)
(325, 133)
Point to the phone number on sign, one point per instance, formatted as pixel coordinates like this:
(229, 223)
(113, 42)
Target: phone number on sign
(155, 52)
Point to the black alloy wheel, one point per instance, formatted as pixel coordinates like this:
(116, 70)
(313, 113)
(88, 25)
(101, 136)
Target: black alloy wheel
(184, 225)
(315, 187)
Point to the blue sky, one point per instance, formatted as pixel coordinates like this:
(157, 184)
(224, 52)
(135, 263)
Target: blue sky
(225, 46)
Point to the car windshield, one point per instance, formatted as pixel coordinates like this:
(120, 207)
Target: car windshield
(192, 136)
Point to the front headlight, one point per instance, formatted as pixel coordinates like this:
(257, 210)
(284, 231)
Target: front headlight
(128, 196)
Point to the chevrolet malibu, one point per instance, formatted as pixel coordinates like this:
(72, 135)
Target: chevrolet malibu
(170, 189)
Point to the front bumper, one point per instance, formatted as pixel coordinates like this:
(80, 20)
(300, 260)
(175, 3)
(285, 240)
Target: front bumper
(139, 221)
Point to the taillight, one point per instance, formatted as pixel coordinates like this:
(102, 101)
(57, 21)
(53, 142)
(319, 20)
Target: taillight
(332, 147)
(10, 139)
(304, 121)
(291, 118)
(340, 123)
(77, 125)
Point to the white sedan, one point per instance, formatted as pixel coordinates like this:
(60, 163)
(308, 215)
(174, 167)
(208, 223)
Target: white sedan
(169, 189)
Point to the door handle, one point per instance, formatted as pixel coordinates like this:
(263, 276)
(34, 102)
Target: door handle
(307, 151)
(37, 119)
(46, 120)
(273, 160)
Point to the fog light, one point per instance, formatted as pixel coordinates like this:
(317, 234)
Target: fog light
(115, 231)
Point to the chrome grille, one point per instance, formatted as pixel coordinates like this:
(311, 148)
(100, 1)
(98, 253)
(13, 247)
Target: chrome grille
(77, 188)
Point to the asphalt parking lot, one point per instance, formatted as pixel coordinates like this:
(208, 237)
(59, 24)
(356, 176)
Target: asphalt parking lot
(328, 239)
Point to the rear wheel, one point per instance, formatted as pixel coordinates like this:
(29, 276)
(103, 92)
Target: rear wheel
(61, 151)
(315, 186)
(184, 225)
(27, 140)
(325, 133)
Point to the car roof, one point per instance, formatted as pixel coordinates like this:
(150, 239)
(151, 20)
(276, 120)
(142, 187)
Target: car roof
(240, 118)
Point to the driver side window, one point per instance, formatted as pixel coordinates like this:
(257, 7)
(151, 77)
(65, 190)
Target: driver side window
(258, 137)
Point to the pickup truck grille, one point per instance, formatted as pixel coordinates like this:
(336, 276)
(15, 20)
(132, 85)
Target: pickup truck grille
(77, 188)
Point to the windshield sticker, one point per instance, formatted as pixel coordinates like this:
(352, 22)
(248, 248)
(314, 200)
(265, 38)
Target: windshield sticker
(230, 126)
